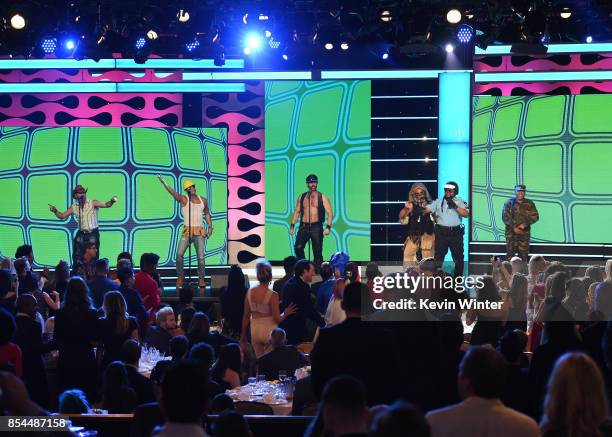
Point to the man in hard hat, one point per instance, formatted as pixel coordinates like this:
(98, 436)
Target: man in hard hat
(193, 207)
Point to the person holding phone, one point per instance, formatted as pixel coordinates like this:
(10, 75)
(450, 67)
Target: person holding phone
(518, 216)
(85, 212)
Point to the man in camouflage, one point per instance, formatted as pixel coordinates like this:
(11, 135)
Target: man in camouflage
(518, 216)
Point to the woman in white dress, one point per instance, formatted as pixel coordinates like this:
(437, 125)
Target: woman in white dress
(261, 309)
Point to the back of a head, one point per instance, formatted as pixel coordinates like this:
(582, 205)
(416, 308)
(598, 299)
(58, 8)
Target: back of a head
(115, 378)
(124, 274)
(200, 324)
(326, 271)
(130, 352)
(73, 402)
(235, 280)
(289, 264)
(24, 250)
(185, 392)
(125, 255)
(346, 394)
(557, 285)
(512, 345)
(485, 370)
(553, 267)
(576, 402)
(76, 297)
(603, 299)
(220, 403)
(351, 298)
(401, 417)
(179, 346)
(537, 264)
(102, 266)
(148, 260)
(186, 317)
(278, 338)
(202, 353)
(186, 294)
(7, 326)
(596, 273)
(263, 271)
(229, 357)
(301, 266)
(518, 290)
(231, 424)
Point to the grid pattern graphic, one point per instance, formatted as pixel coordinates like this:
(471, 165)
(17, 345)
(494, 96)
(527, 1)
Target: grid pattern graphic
(321, 128)
(41, 166)
(560, 147)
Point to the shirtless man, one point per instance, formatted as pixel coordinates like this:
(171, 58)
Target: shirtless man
(311, 208)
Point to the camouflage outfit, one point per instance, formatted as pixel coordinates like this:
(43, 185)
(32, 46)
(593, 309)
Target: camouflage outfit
(517, 213)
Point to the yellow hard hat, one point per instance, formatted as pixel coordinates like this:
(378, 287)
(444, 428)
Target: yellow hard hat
(187, 184)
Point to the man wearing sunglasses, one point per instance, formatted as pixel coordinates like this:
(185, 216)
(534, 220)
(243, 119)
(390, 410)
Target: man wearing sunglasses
(449, 210)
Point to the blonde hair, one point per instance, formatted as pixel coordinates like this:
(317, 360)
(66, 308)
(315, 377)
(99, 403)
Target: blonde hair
(575, 402)
(537, 264)
(163, 314)
(263, 270)
(413, 187)
(115, 311)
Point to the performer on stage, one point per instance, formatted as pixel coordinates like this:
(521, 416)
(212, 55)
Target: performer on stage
(85, 212)
(518, 216)
(311, 208)
(449, 210)
(420, 225)
(193, 229)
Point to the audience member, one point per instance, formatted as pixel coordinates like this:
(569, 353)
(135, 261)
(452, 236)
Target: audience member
(10, 353)
(184, 401)
(334, 313)
(297, 293)
(146, 283)
(179, 348)
(185, 295)
(488, 326)
(399, 418)
(130, 355)
(75, 330)
(226, 370)
(231, 424)
(576, 403)
(232, 301)
(60, 280)
(133, 300)
(517, 312)
(8, 289)
(30, 340)
(325, 288)
(117, 395)
(199, 331)
(481, 381)
(100, 284)
(305, 403)
(115, 327)
(159, 335)
(221, 403)
(516, 389)
(73, 402)
(354, 348)
(205, 355)
(261, 310)
(281, 358)
(289, 268)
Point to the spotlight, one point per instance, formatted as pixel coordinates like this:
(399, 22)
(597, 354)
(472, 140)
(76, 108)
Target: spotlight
(246, 51)
(465, 33)
(182, 16)
(449, 48)
(285, 57)
(385, 56)
(453, 16)
(263, 17)
(328, 46)
(17, 22)
(267, 33)
(545, 39)
(566, 13)
(69, 44)
(140, 42)
(273, 43)
(589, 39)
(253, 41)
(386, 16)
(191, 46)
(48, 45)
(152, 35)
(344, 46)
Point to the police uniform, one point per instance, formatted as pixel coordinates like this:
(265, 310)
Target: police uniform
(516, 213)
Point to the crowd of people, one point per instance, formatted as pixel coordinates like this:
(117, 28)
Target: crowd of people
(538, 364)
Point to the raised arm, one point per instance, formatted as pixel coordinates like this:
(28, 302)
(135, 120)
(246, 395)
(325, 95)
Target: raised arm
(60, 215)
(329, 212)
(108, 204)
(296, 215)
(178, 197)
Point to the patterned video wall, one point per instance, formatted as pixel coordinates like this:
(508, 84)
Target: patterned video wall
(41, 166)
(322, 128)
(560, 147)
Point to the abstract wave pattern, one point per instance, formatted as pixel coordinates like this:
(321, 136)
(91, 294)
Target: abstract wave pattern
(42, 165)
(242, 115)
(560, 147)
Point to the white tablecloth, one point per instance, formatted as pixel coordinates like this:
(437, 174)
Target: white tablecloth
(267, 393)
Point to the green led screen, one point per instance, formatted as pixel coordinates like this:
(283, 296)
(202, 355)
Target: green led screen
(321, 128)
(42, 165)
(560, 147)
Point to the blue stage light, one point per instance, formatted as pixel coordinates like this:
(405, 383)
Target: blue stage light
(140, 43)
(69, 44)
(48, 45)
(191, 46)
(253, 41)
(589, 39)
(465, 33)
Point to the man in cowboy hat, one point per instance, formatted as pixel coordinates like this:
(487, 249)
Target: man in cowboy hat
(311, 208)
(85, 212)
(193, 207)
(518, 216)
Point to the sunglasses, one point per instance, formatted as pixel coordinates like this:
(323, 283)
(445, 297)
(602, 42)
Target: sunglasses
(449, 189)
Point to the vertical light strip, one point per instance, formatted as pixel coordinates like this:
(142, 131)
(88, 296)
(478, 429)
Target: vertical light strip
(454, 138)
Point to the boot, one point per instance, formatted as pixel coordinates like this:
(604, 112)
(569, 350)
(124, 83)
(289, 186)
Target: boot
(179, 283)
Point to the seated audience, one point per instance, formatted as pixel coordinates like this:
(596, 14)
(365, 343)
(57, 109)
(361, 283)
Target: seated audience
(73, 402)
(576, 403)
(185, 318)
(10, 353)
(516, 389)
(117, 395)
(100, 283)
(281, 358)
(481, 381)
(115, 327)
(204, 354)
(159, 335)
(130, 354)
(74, 332)
(343, 410)
(399, 418)
(30, 340)
(184, 401)
(179, 348)
(221, 403)
(199, 331)
(226, 370)
(232, 301)
(133, 301)
(305, 402)
(231, 424)
(354, 348)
